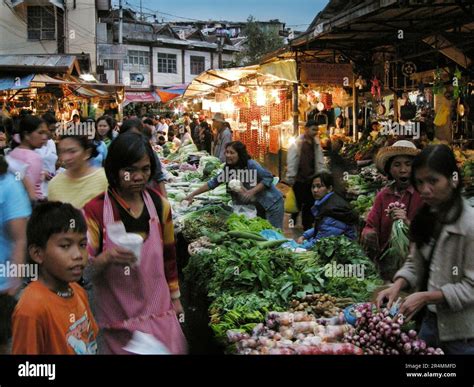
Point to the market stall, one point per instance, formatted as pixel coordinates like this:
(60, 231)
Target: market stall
(42, 85)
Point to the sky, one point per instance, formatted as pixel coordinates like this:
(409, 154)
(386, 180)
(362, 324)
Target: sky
(297, 14)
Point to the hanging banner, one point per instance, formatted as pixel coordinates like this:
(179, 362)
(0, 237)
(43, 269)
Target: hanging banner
(274, 145)
(327, 74)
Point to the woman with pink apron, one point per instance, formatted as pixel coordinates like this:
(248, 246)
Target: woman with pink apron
(135, 297)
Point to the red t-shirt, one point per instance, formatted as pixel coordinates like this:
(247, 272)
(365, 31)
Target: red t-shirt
(380, 222)
(47, 324)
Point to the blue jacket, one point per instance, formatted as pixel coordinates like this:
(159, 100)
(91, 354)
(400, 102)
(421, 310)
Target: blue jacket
(98, 161)
(257, 174)
(333, 217)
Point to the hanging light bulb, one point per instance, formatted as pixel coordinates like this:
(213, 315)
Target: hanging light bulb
(261, 98)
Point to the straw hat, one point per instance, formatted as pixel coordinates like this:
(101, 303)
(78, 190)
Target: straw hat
(400, 148)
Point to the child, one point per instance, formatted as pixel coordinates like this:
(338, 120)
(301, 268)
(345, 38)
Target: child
(53, 315)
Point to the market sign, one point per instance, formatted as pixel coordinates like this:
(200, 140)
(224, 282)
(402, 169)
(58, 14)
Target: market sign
(327, 74)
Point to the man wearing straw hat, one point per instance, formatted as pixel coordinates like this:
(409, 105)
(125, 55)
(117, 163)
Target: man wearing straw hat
(395, 162)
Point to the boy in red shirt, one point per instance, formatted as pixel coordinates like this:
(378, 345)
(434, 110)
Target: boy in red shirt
(53, 315)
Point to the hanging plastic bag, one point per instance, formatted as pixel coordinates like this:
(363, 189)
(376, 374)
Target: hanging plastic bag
(291, 206)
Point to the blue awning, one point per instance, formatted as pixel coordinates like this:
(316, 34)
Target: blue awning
(15, 82)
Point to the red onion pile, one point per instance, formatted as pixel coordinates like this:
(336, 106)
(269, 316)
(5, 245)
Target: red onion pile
(377, 333)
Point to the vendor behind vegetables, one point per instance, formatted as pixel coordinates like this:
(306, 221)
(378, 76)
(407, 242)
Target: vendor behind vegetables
(395, 161)
(256, 184)
(333, 216)
(440, 268)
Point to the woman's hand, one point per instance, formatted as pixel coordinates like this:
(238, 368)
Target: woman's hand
(400, 214)
(300, 240)
(120, 256)
(389, 295)
(189, 198)
(412, 304)
(178, 308)
(247, 195)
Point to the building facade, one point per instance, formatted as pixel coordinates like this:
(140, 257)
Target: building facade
(51, 27)
(156, 55)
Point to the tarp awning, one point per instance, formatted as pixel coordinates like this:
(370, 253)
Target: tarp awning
(169, 93)
(15, 82)
(145, 96)
(282, 69)
(212, 80)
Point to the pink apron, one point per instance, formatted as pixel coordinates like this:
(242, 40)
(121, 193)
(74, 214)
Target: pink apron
(137, 298)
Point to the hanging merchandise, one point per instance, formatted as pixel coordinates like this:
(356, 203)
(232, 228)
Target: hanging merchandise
(360, 83)
(442, 115)
(274, 141)
(376, 89)
(327, 100)
(387, 74)
(438, 84)
(408, 69)
(457, 83)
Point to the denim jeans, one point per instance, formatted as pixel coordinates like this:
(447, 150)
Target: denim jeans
(429, 333)
(275, 214)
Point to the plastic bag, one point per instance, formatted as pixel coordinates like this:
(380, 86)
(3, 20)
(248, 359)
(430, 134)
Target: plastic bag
(247, 210)
(291, 206)
(146, 344)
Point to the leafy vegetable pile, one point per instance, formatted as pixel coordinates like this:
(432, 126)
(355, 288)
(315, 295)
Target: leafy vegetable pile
(363, 204)
(244, 278)
(242, 223)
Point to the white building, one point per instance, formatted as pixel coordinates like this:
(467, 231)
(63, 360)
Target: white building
(156, 55)
(51, 27)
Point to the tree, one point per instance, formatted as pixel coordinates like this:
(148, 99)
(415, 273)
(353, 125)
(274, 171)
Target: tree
(259, 42)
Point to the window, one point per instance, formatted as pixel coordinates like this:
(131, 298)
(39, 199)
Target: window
(167, 63)
(197, 65)
(109, 64)
(41, 23)
(137, 58)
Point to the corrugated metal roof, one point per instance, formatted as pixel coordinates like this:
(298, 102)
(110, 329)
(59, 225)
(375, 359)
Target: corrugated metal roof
(29, 62)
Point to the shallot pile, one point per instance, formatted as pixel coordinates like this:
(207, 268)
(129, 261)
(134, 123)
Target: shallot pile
(297, 333)
(377, 333)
